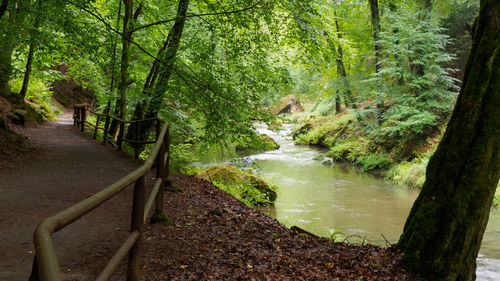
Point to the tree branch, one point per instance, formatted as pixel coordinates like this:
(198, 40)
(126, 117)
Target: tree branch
(198, 15)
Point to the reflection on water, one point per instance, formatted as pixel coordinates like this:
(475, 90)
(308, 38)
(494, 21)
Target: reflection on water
(322, 199)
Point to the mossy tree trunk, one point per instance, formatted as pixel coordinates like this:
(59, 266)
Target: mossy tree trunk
(9, 39)
(348, 97)
(146, 92)
(126, 38)
(31, 51)
(376, 31)
(165, 67)
(444, 230)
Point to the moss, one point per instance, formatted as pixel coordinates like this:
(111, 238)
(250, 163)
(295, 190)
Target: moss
(246, 187)
(348, 150)
(261, 143)
(323, 131)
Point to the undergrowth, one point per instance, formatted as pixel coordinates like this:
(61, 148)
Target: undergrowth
(39, 98)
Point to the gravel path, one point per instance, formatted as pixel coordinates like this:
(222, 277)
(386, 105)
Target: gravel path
(65, 168)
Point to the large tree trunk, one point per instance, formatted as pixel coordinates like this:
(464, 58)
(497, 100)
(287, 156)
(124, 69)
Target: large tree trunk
(126, 38)
(146, 92)
(341, 68)
(107, 110)
(167, 60)
(444, 230)
(425, 9)
(31, 52)
(376, 31)
(6, 49)
(3, 7)
(7, 45)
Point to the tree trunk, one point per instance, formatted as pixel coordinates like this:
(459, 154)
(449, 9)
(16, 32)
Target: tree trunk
(425, 9)
(7, 45)
(376, 31)
(29, 63)
(167, 63)
(146, 92)
(341, 68)
(113, 126)
(6, 49)
(444, 230)
(338, 105)
(3, 7)
(126, 38)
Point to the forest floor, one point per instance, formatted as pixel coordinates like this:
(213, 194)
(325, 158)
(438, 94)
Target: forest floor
(211, 235)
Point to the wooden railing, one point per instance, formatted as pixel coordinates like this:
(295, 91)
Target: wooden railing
(80, 117)
(45, 264)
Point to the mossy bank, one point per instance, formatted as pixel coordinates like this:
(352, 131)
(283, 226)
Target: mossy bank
(244, 186)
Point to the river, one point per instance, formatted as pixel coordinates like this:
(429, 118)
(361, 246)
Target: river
(341, 201)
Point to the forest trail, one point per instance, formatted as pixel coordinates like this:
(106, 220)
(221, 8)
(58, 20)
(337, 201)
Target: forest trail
(65, 168)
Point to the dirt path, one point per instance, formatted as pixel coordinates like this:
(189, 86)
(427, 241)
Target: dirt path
(65, 168)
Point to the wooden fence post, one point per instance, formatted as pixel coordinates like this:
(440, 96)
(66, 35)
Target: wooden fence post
(136, 145)
(83, 113)
(106, 129)
(160, 174)
(137, 224)
(96, 126)
(166, 143)
(75, 116)
(121, 133)
(34, 276)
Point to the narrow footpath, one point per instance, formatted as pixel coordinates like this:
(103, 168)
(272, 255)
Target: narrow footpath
(65, 168)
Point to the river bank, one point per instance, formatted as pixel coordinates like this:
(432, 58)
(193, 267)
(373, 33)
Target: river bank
(339, 200)
(213, 236)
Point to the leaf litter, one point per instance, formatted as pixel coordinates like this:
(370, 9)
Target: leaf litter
(213, 236)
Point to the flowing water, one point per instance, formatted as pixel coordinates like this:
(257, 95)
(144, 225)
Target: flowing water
(339, 200)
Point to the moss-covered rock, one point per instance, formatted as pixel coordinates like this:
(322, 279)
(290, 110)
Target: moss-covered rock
(262, 143)
(246, 187)
(303, 129)
(323, 131)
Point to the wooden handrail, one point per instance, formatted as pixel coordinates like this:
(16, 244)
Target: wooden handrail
(46, 266)
(80, 119)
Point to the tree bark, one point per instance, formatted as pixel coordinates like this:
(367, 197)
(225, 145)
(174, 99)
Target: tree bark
(426, 9)
(31, 51)
(7, 45)
(341, 67)
(167, 60)
(444, 230)
(3, 7)
(146, 92)
(114, 124)
(376, 31)
(127, 37)
(338, 105)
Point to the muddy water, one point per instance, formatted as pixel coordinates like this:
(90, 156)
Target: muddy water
(352, 205)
